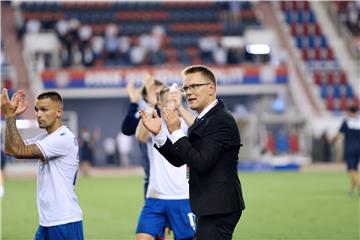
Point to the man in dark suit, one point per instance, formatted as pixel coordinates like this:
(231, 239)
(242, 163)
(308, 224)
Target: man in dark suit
(210, 150)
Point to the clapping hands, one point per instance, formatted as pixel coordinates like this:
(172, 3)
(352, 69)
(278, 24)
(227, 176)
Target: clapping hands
(14, 107)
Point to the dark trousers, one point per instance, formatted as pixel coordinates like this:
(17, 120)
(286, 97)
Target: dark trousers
(216, 227)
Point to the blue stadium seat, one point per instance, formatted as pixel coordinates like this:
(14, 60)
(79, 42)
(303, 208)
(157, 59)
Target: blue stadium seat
(312, 18)
(299, 41)
(349, 91)
(337, 91)
(323, 90)
(288, 16)
(311, 41)
(323, 42)
(300, 17)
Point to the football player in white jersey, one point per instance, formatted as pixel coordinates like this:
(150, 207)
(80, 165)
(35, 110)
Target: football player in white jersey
(167, 198)
(60, 215)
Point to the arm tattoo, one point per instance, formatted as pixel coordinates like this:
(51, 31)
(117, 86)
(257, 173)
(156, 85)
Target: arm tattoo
(14, 145)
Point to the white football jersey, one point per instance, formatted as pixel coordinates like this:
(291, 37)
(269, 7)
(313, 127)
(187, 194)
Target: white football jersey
(166, 181)
(56, 199)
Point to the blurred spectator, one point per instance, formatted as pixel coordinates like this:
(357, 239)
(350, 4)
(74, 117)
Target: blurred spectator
(220, 55)
(111, 44)
(65, 57)
(353, 20)
(97, 43)
(62, 28)
(206, 45)
(88, 57)
(156, 53)
(71, 38)
(235, 55)
(137, 55)
(110, 150)
(349, 14)
(86, 151)
(85, 34)
(124, 47)
(33, 26)
(20, 24)
(325, 147)
(124, 147)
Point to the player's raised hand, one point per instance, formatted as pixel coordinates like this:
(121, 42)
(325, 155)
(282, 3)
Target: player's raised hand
(8, 108)
(171, 119)
(19, 98)
(175, 97)
(149, 83)
(132, 91)
(151, 122)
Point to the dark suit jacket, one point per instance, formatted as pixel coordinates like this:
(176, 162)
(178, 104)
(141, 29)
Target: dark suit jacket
(211, 152)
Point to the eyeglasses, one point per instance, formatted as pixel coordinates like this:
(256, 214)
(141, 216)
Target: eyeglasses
(192, 87)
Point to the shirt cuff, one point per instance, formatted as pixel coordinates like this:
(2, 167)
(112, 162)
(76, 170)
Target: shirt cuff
(160, 138)
(176, 135)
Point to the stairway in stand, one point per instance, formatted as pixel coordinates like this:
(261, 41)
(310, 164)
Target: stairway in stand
(13, 52)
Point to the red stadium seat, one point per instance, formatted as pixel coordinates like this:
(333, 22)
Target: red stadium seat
(330, 103)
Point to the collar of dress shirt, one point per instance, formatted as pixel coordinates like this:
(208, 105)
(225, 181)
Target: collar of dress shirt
(207, 109)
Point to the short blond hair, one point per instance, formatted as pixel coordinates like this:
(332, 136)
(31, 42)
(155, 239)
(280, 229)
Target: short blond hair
(204, 70)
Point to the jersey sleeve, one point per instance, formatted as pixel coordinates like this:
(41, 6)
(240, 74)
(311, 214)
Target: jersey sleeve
(53, 147)
(33, 140)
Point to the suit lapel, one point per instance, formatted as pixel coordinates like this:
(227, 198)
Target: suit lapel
(220, 104)
(195, 125)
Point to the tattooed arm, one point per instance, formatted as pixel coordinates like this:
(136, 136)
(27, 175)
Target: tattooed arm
(14, 144)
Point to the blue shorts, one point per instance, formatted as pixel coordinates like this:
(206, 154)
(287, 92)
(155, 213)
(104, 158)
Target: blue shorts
(157, 212)
(73, 231)
(352, 160)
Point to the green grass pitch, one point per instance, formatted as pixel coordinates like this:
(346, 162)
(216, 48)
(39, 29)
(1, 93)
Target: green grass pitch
(280, 205)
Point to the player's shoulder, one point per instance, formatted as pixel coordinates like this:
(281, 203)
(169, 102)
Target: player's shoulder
(64, 131)
(63, 134)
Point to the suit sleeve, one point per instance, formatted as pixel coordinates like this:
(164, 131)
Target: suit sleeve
(130, 122)
(169, 152)
(210, 149)
(343, 127)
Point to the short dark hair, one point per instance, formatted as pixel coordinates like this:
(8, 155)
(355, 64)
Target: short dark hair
(204, 70)
(352, 109)
(54, 96)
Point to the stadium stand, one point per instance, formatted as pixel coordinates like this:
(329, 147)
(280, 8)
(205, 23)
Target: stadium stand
(112, 32)
(315, 50)
(89, 50)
